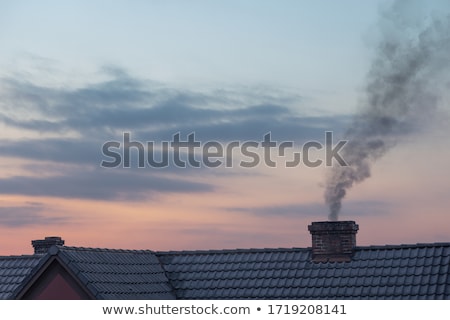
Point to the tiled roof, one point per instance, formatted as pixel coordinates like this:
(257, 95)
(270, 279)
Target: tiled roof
(419, 271)
(13, 270)
(118, 274)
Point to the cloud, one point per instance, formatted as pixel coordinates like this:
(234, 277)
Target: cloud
(80, 120)
(317, 209)
(75, 151)
(100, 184)
(222, 236)
(29, 215)
(125, 103)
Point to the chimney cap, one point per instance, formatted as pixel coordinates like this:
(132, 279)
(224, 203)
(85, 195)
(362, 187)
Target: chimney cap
(333, 226)
(41, 246)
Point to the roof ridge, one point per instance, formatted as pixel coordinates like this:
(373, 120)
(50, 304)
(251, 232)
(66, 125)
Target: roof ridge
(224, 251)
(404, 246)
(238, 250)
(23, 256)
(92, 249)
(257, 250)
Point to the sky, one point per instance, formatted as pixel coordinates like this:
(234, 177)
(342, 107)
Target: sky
(75, 75)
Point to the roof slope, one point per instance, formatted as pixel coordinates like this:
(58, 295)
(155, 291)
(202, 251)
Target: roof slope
(13, 270)
(419, 271)
(117, 274)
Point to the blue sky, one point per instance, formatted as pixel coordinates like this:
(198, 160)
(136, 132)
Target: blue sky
(318, 48)
(74, 74)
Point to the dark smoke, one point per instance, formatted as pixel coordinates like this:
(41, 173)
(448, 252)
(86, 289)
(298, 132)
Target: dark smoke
(403, 89)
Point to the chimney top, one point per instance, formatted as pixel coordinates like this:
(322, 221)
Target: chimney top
(333, 241)
(42, 246)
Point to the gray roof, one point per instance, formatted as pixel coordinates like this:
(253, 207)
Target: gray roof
(105, 273)
(118, 274)
(419, 271)
(13, 271)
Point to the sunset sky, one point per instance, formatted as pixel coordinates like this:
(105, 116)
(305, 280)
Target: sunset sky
(77, 74)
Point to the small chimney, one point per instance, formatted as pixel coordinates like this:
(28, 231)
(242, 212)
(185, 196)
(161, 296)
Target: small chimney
(42, 246)
(333, 241)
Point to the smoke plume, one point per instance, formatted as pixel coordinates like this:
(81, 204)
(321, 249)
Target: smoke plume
(403, 88)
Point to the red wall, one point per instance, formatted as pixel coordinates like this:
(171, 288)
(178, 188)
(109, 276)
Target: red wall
(58, 289)
(55, 283)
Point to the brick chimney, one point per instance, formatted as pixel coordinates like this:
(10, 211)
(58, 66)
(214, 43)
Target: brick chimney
(333, 241)
(42, 246)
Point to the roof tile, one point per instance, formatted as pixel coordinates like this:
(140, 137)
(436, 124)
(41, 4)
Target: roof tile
(392, 272)
(367, 275)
